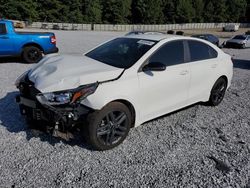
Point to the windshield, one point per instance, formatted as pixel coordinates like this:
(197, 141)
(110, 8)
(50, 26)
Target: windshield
(240, 37)
(121, 52)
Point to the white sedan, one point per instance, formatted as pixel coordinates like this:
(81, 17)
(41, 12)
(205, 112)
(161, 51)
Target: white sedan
(122, 84)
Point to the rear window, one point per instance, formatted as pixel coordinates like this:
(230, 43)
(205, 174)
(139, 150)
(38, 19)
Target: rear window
(2, 28)
(201, 51)
(240, 37)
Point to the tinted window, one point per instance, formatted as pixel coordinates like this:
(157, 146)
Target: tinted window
(212, 37)
(213, 52)
(121, 52)
(240, 37)
(201, 51)
(2, 28)
(171, 53)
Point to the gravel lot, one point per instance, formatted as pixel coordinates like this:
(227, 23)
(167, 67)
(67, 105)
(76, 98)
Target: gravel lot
(199, 146)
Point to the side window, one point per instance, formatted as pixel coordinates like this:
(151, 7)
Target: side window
(2, 29)
(201, 51)
(213, 52)
(171, 53)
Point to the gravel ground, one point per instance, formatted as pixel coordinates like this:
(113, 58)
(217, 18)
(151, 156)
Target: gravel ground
(199, 146)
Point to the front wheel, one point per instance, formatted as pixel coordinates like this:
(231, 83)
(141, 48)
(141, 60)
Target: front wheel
(218, 92)
(32, 54)
(109, 127)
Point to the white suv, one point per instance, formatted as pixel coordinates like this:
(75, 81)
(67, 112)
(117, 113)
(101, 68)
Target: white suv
(121, 84)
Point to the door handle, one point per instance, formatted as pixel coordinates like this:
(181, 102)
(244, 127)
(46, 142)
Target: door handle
(4, 37)
(214, 66)
(185, 72)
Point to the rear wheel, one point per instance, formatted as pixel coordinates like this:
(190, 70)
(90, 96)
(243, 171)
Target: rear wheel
(109, 127)
(32, 54)
(218, 92)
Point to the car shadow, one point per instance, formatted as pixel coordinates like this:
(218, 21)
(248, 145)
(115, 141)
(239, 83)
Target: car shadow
(10, 60)
(14, 122)
(241, 64)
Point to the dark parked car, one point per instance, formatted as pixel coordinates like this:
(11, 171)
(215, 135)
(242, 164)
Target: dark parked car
(144, 32)
(238, 41)
(209, 37)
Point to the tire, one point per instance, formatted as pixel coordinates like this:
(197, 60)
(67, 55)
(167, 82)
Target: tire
(32, 54)
(104, 131)
(243, 46)
(218, 92)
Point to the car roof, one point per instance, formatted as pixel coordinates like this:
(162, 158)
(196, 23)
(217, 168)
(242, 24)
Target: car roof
(156, 37)
(204, 34)
(4, 20)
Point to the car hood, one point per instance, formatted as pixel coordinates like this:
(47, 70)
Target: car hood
(237, 41)
(57, 72)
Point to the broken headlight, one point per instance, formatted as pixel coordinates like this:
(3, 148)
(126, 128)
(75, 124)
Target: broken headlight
(66, 97)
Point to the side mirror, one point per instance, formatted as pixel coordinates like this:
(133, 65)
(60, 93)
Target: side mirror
(154, 66)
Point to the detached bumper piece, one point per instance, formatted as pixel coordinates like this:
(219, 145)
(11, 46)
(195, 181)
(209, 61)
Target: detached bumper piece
(60, 118)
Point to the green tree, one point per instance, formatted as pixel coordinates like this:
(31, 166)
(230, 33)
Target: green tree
(208, 14)
(92, 11)
(19, 10)
(236, 9)
(72, 10)
(248, 11)
(199, 8)
(148, 11)
(116, 11)
(184, 11)
(127, 11)
(219, 11)
(52, 11)
(169, 11)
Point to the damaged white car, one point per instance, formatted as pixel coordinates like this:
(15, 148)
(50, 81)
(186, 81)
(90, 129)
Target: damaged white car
(121, 84)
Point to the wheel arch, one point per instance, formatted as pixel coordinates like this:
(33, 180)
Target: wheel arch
(224, 77)
(32, 44)
(130, 107)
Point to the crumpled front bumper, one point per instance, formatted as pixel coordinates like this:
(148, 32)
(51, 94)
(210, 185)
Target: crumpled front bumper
(63, 117)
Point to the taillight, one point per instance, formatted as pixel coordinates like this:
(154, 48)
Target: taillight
(53, 39)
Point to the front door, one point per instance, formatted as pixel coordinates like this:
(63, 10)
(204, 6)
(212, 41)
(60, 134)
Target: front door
(164, 91)
(6, 45)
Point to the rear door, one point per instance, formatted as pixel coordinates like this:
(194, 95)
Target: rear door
(164, 91)
(6, 45)
(203, 66)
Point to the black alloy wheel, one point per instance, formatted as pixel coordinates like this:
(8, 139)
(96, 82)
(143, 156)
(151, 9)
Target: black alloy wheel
(112, 128)
(109, 127)
(32, 54)
(218, 92)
